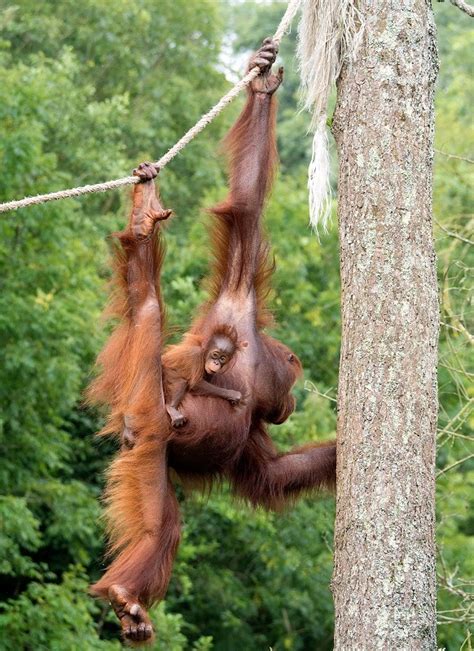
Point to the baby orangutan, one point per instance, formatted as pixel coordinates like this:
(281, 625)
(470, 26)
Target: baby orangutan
(191, 365)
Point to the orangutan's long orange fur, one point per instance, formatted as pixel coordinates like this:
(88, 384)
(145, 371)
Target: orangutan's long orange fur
(217, 440)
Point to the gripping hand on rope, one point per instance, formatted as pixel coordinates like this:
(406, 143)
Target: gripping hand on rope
(147, 209)
(264, 58)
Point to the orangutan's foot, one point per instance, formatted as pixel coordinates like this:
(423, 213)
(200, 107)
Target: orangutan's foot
(136, 625)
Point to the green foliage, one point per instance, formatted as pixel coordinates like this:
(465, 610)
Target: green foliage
(88, 90)
(53, 617)
(256, 580)
(19, 532)
(453, 210)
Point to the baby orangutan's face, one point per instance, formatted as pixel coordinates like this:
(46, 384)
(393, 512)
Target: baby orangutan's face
(219, 353)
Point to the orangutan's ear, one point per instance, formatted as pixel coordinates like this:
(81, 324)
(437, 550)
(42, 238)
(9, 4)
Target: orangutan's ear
(243, 344)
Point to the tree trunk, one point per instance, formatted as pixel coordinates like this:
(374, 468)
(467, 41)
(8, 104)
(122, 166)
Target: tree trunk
(384, 576)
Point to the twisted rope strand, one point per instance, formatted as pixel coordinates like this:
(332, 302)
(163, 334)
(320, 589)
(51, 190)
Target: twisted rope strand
(206, 119)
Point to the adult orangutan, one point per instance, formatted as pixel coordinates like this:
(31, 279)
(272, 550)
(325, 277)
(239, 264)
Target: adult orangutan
(222, 417)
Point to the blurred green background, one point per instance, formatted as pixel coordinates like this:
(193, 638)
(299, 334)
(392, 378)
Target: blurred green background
(88, 90)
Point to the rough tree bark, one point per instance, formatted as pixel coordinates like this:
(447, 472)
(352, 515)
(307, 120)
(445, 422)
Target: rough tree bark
(384, 576)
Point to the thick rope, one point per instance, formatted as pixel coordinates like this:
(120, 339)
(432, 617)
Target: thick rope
(206, 119)
(463, 6)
